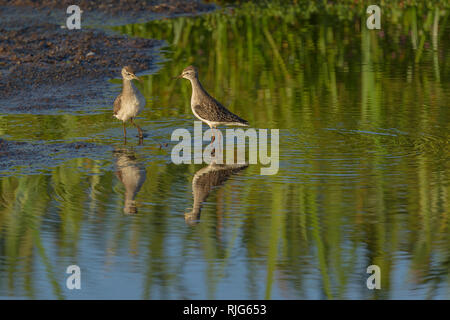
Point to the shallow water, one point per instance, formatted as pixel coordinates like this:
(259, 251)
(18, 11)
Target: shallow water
(363, 178)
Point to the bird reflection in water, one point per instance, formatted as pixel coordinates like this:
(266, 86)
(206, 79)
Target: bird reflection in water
(132, 174)
(204, 181)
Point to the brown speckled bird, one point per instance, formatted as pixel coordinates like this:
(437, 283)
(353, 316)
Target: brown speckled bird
(205, 107)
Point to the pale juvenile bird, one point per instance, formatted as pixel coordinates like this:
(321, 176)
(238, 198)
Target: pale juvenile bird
(130, 101)
(205, 107)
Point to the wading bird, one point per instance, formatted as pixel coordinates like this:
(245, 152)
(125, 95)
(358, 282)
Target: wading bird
(205, 107)
(129, 102)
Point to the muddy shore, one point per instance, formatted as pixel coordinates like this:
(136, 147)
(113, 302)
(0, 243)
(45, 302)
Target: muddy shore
(48, 58)
(135, 8)
(44, 66)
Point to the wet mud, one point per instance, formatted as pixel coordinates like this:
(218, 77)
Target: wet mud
(49, 67)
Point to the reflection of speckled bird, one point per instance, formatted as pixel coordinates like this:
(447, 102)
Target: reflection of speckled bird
(130, 101)
(132, 174)
(202, 183)
(205, 107)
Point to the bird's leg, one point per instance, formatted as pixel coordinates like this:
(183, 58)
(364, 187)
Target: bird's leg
(213, 138)
(141, 135)
(124, 132)
(218, 144)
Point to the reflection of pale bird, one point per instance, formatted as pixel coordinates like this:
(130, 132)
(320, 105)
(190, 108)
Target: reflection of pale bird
(205, 107)
(130, 101)
(132, 174)
(204, 180)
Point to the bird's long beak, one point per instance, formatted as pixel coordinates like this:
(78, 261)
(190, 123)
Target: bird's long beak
(178, 77)
(137, 78)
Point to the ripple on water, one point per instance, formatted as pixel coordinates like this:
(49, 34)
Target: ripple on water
(33, 157)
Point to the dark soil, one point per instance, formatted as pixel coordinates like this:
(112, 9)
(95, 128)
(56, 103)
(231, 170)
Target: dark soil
(118, 7)
(47, 54)
(45, 67)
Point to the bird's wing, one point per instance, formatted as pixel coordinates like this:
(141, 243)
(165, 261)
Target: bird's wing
(117, 103)
(119, 175)
(203, 111)
(211, 110)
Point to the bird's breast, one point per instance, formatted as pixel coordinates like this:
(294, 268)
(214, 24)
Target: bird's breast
(136, 101)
